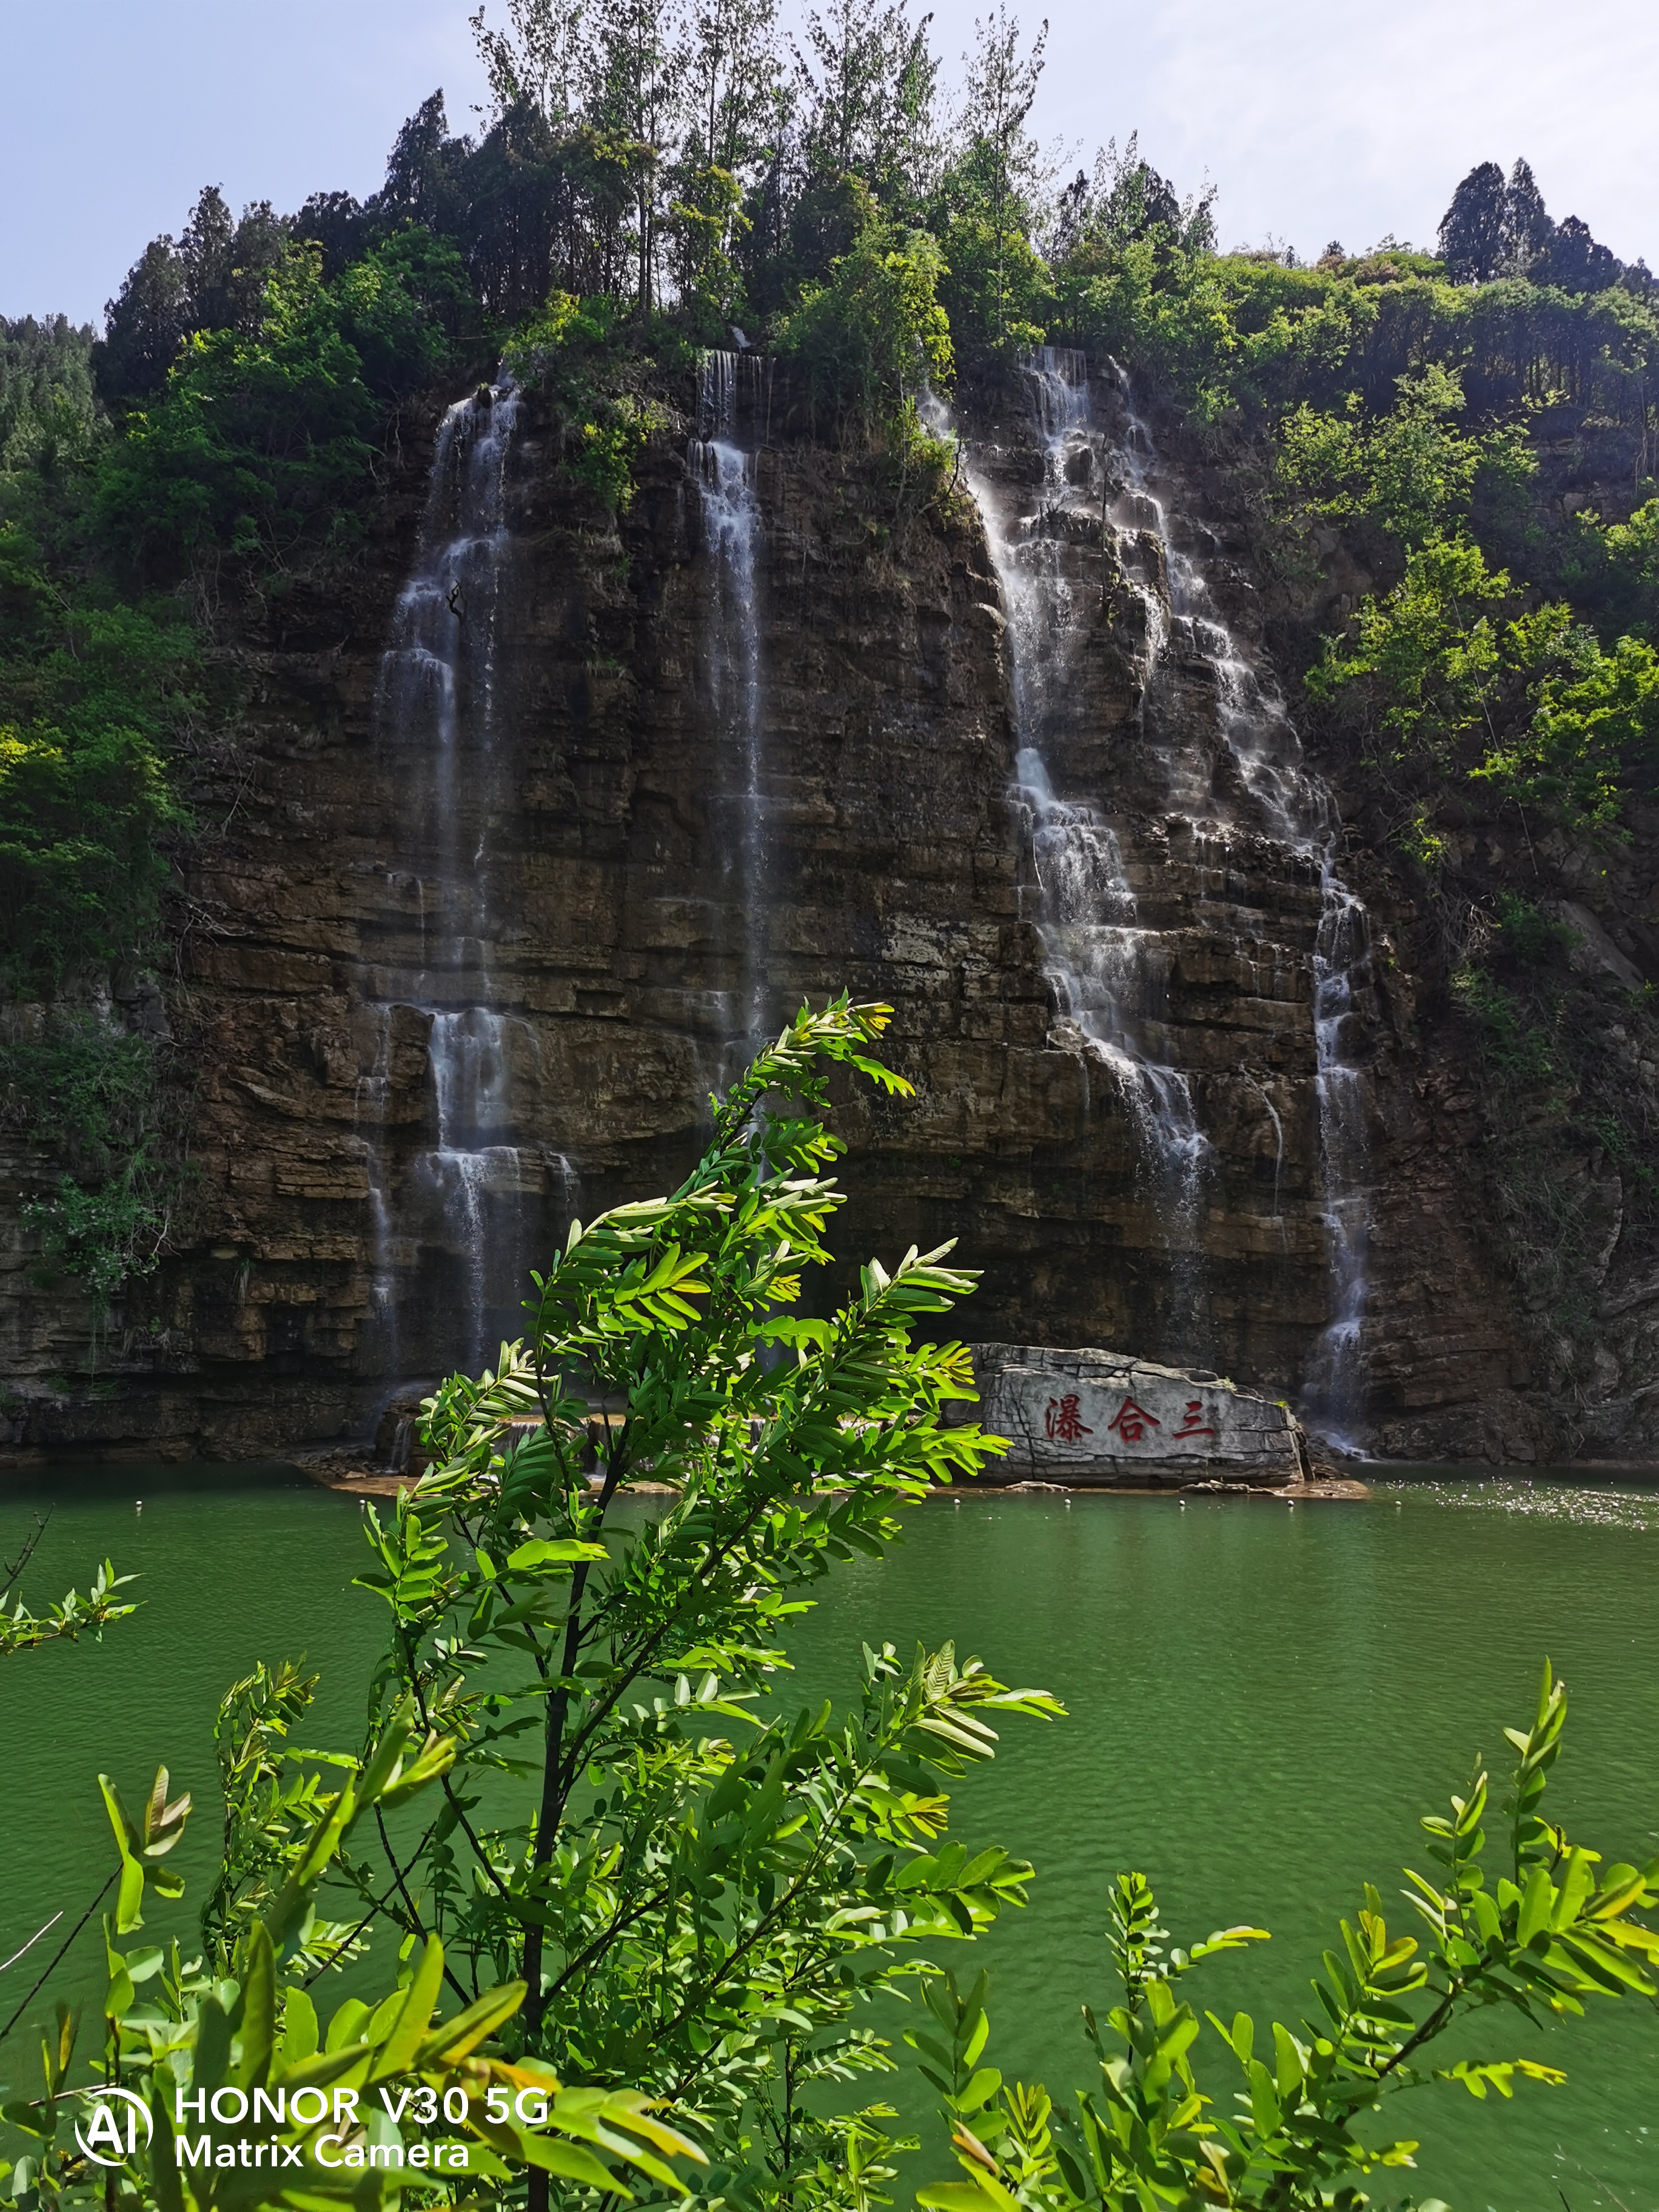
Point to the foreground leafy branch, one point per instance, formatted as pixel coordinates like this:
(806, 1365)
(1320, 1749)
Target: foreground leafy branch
(71, 1618)
(698, 1896)
(1549, 1932)
(210, 2041)
(645, 1914)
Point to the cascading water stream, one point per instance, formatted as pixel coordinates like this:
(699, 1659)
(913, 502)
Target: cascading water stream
(1108, 970)
(438, 709)
(1298, 809)
(724, 472)
(1109, 976)
(1342, 956)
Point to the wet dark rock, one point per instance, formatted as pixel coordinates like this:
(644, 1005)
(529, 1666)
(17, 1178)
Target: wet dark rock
(895, 861)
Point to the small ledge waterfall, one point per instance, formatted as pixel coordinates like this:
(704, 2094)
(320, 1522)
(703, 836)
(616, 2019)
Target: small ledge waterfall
(1213, 765)
(468, 1197)
(731, 396)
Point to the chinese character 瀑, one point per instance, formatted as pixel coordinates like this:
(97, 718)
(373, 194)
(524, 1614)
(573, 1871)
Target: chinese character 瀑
(1065, 1424)
(1131, 1421)
(1193, 1424)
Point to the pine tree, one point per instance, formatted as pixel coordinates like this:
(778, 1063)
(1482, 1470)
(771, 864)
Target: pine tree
(261, 238)
(340, 223)
(1577, 262)
(207, 254)
(1528, 229)
(145, 325)
(420, 183)
(1472, 230)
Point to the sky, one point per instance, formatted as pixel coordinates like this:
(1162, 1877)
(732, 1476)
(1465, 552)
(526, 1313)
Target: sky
(1317, 119)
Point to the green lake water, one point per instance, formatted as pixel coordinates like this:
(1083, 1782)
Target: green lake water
(1263, 1700)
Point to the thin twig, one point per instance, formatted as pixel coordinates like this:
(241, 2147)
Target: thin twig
(51, 1968)
(30, 1945)
(376, 1905)
(27, 1553)
(417, 1925)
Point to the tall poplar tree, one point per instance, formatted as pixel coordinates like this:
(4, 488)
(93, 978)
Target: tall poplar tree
(998, 92)
(867, 80)
(640, 61)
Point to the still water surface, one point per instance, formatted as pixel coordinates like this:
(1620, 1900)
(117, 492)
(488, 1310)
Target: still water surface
(1262, 1699)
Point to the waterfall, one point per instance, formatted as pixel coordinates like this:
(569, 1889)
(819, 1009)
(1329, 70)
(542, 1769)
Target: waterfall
(1299, 809)
(724, 472)
(1110, 975)
(1231, 772)
(369, 1105)
(1341, 962)
(466, 1204)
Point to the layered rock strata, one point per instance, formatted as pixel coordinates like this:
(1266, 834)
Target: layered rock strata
(644, 866)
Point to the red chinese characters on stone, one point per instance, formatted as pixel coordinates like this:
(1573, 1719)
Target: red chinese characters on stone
(1131, 1421)
(1192, 1425)
(1065, 1424)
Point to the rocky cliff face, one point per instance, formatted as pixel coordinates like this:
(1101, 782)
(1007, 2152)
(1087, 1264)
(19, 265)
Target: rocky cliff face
(485, 920)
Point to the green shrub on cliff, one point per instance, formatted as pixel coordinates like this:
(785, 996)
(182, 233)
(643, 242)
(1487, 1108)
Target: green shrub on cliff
(1413, 471)
(874, 332)
(265, 445)
(1614, 569)
(1452, 675)
(90, 691)
(586, 356)
(94, 693)
(1241, 339)
(994, 287)
(76, 1080)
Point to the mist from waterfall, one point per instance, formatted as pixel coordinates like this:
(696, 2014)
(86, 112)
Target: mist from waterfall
(1102, 480)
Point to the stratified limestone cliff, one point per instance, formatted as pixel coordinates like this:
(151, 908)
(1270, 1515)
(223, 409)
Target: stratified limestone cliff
(323, 1262)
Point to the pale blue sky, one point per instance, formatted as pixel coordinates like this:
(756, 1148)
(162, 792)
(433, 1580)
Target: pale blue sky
(1316, 120)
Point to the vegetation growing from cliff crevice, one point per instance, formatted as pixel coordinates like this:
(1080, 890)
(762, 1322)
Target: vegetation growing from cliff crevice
(99, 1095)
(598, 370)
(1571, 1118)
(97, 688)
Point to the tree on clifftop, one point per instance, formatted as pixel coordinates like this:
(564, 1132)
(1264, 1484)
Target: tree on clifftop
(1528, 229)
(1472, 229)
